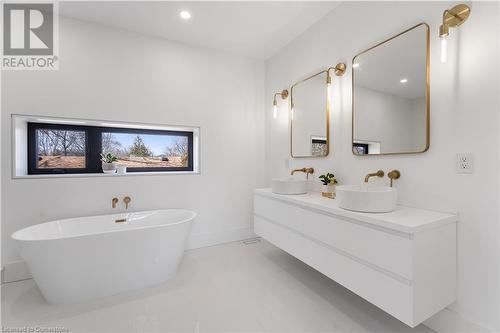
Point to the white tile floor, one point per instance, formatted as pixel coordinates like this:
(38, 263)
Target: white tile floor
(231, 288)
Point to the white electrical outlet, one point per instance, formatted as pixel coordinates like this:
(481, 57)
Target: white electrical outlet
(465, 163)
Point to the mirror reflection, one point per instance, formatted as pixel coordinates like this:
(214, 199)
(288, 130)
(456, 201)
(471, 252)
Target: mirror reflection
(309, 116)
(390, 95)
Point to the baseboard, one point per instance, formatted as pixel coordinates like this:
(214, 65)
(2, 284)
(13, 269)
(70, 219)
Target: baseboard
(450, 321)
(15, 271)
(209, 239)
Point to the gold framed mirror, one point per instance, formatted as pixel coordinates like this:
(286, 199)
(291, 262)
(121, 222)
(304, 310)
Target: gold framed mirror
(310, 117)
(390, 95)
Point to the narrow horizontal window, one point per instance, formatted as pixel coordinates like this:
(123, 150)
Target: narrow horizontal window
(54, 148)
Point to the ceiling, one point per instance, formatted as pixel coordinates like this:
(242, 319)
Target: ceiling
(252, 29)
(404, 57)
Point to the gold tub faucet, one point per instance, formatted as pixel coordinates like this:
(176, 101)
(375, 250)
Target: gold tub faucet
(127, 201)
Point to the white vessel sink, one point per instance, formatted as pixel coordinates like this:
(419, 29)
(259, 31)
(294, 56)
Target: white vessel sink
(289, 186)
(361, 198)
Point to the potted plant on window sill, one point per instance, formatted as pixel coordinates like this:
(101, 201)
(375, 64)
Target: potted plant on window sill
(108, 163)
(329, 182)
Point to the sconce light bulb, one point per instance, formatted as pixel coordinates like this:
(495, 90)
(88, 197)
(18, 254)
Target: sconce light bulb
(444, 49)
(275, 111)
(444, 30)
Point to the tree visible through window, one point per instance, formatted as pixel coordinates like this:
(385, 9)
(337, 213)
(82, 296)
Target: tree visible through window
(147, 150)
(60, 149)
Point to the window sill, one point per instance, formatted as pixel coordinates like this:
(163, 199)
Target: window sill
(92, 175)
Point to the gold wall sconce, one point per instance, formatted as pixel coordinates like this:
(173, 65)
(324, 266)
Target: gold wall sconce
(339, 70)
(284, 95)
(451, 18)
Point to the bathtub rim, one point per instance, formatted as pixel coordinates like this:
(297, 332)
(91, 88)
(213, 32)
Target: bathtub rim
(193, 215)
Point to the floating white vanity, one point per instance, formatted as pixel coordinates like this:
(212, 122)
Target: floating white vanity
(404, 261)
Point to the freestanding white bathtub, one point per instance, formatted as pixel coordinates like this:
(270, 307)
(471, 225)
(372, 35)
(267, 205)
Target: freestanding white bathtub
(78, 259)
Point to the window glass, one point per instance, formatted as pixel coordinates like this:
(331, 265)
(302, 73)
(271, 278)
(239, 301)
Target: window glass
(75, 148)
(60, 149)
(137, 150)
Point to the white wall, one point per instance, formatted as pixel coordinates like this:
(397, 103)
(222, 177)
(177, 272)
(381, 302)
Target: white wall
(109, 74)
(464, 118)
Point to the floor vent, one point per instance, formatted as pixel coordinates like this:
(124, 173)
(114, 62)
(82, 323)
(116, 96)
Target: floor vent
(252, 241)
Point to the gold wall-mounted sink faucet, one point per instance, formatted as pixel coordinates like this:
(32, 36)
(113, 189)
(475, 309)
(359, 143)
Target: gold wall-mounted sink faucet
(394, 174)
(307, 171)
(379, 174)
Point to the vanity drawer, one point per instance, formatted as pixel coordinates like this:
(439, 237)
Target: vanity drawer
(388, 251)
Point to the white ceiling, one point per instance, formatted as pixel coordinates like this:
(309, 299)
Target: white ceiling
(252, 29)
(404, 57)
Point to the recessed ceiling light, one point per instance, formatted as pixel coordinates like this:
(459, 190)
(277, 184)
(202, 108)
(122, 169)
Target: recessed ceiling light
(403, 80)
(355, 65)
(185, 15)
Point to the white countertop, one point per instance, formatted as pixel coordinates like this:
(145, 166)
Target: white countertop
(404, 219)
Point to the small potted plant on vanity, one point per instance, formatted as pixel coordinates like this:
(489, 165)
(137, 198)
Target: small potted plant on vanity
(108, 163)
(328, 189)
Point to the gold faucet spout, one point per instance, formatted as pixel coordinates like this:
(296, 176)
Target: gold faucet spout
(304, 170)
(379, 174)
